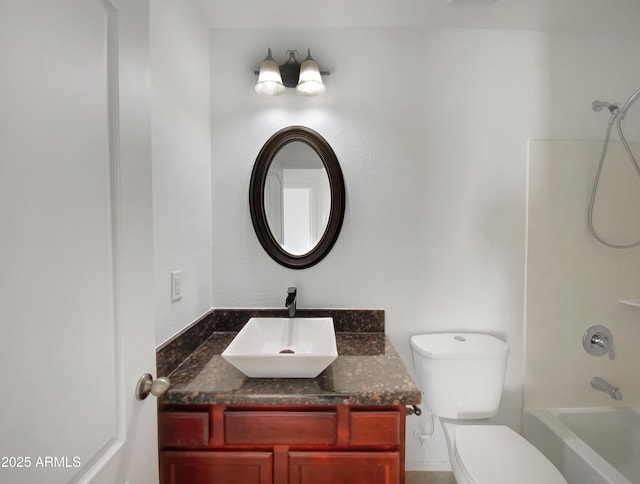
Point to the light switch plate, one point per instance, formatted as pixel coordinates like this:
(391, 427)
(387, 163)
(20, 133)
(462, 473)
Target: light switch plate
(176, 286)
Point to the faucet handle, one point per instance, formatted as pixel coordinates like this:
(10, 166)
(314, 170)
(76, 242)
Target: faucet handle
(292, 291)
(602, 341)
(597, 341)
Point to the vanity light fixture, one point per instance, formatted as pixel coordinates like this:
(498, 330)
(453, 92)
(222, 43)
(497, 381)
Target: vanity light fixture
(269, 79)
(306, 78)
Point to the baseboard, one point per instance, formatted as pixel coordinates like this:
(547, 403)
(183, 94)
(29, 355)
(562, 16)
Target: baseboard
(428, 466)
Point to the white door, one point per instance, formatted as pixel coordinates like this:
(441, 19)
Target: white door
(76, 316)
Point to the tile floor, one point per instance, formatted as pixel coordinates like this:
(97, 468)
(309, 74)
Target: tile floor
(413, 477)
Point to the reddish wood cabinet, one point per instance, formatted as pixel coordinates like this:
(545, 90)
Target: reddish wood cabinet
(344, 467)
(281, 445)
(228, 467)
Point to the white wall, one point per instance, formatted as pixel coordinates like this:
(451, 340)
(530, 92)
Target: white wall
(435, 175)
(181, 137)
(431, 128)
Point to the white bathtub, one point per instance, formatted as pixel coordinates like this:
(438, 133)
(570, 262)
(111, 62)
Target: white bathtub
(588, 445)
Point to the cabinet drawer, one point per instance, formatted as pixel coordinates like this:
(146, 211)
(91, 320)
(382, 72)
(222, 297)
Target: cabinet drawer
(344, 467)
(374, 428)
(216, 467)
(280, 427)
(183, 429)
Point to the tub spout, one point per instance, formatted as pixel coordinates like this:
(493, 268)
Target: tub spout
(606, 387)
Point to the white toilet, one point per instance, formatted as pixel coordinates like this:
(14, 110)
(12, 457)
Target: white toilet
(461, 376)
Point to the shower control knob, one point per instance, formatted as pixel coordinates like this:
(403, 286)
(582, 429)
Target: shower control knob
(597, 341)
(147, 385)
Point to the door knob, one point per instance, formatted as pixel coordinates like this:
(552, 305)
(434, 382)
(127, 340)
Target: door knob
(146, 384)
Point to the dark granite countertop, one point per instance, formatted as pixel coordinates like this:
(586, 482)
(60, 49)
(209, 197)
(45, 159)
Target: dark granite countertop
(368, 371)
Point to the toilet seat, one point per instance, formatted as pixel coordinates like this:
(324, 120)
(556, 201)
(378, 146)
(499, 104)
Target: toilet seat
(495, 454)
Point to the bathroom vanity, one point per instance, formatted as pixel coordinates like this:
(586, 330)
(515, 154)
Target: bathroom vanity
(345, 426)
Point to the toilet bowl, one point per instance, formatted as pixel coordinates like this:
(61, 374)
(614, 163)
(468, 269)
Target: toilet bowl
(461, 376)
(483, 454)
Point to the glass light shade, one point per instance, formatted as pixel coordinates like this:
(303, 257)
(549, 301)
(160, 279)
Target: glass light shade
(310, 82)
(269, 80)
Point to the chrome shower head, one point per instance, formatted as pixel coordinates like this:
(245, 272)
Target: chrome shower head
(599, 105)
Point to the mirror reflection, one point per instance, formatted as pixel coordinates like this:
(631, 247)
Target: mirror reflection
(297, 198)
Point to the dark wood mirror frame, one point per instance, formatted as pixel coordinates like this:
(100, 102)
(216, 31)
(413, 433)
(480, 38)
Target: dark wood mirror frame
(256, 196)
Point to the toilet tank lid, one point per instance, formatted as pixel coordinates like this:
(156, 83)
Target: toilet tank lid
(459, 346)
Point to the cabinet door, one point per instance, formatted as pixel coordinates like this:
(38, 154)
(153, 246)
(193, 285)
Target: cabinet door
(216, 468)
(183, 429)
(344, 467)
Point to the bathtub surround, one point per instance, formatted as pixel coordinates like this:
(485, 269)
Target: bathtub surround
(573, 281)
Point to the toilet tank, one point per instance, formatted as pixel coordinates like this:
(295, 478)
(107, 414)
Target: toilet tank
(461, 375)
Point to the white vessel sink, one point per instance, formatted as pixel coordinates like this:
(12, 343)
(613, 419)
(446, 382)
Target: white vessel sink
(283, 347)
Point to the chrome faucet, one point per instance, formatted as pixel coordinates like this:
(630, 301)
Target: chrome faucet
(598, 340)
(603, 341)
(292, 292)
(606, 387)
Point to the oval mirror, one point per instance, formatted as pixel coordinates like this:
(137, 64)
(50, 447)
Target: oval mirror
(297, 197)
